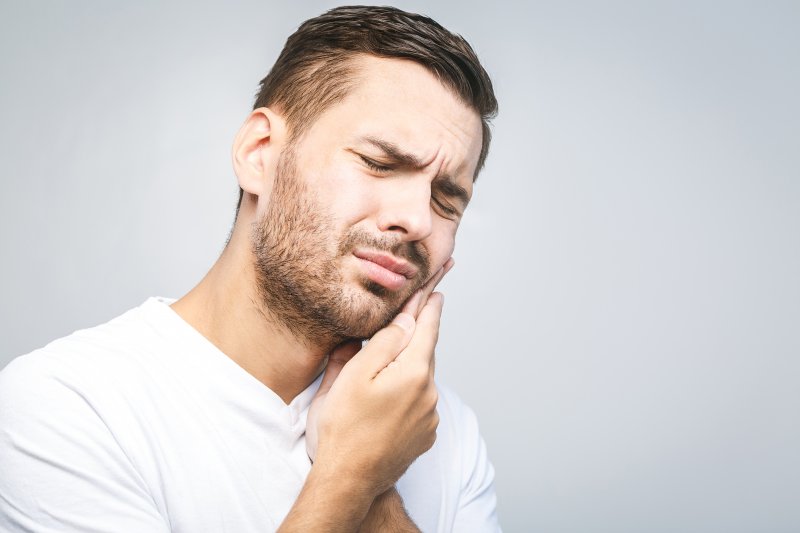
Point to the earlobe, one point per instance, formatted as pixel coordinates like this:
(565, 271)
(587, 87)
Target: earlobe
(256, 150)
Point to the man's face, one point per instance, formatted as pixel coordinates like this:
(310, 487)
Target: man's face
(366, 204)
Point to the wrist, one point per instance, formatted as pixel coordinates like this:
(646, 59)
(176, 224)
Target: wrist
(329, 501)
(340, 484)
(349, 474)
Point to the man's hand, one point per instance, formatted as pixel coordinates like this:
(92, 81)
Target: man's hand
(380, 412)
(374, 413)
(344, 352)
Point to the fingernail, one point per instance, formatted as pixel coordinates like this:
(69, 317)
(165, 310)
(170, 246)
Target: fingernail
(404, 320)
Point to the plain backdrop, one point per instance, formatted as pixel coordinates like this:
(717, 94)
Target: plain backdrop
(624, 315)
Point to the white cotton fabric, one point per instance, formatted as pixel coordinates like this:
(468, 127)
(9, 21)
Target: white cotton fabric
(142, 425)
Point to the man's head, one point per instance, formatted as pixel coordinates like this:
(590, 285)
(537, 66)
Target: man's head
(317, 66)
(357, 164)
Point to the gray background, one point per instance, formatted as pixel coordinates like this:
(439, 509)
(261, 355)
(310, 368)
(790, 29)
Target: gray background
(625, 309)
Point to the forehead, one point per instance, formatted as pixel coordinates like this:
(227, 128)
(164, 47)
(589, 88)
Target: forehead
(401, 102)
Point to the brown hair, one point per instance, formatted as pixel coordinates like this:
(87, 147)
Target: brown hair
(314, 69)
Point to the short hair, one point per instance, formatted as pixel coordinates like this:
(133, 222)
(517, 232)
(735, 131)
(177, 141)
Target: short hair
(315, 67)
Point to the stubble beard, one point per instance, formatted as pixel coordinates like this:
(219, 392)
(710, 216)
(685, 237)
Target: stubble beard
(297, 278)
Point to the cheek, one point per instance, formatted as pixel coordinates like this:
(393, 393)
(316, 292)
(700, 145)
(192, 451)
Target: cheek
(442, 249)
(348, 208)
(348, 199)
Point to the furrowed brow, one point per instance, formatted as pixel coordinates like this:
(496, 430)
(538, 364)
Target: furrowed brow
(452, 189)
(395, 154)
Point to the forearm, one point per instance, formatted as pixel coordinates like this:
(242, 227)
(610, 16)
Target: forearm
(328, 503)
(387, 514)
(333, 503)
(373, 414)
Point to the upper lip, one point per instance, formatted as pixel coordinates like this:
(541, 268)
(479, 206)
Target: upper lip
(388, 261)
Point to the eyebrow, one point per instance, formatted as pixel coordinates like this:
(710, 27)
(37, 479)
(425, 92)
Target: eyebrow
(393, 152)
(397, 156)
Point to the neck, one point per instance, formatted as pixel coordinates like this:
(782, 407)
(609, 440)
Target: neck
(225, 307)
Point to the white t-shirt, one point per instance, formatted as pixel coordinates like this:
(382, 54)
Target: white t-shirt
(142, 425)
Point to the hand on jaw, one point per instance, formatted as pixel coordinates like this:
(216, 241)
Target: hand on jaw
(375, 410)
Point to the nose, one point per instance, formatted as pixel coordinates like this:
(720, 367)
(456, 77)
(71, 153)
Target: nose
(406, 209)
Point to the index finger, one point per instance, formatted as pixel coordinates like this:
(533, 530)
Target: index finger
(415, 304)
(422, 345)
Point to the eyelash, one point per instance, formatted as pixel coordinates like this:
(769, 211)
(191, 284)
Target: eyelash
(449, 211)
(374, 165)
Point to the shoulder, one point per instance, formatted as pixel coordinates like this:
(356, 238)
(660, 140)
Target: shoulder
(58, 448)
(67, 378)
(48, 396)
(49, 378)
(92, 355)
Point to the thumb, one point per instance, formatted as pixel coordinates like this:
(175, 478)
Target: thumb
(336, 361)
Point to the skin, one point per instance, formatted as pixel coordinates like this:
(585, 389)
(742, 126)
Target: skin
(309, 296)
(395, 161)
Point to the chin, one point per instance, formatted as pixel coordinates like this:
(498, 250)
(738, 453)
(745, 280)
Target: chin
(374, 312)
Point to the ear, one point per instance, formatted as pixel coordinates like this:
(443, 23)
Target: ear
(256, 151)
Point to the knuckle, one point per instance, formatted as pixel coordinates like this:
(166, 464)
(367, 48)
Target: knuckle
(421, 378)
(434, 396)
(391, 334)
(430, 441)
(390, 338)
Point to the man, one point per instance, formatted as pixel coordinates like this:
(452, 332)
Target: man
(250, 404)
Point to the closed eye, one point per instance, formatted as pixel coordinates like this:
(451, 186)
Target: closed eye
(446, 195)
(374, 165)
(447, 210)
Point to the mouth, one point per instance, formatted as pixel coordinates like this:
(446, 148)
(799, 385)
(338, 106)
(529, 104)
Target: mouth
(385, 269)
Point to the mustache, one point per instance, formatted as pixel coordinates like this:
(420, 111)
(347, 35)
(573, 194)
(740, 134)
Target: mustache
(413, 252)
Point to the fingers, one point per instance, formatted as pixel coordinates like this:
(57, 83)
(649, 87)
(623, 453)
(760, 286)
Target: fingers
(389, 342)
(336, 361)
(428, 288)
(412, 305)
(426, 333)
(449, 264)
(385, 345)
(415, 304)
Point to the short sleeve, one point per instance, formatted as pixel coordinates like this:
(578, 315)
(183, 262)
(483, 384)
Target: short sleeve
(62, 469)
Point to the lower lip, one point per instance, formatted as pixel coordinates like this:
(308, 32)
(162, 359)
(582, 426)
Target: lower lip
(382, 276)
